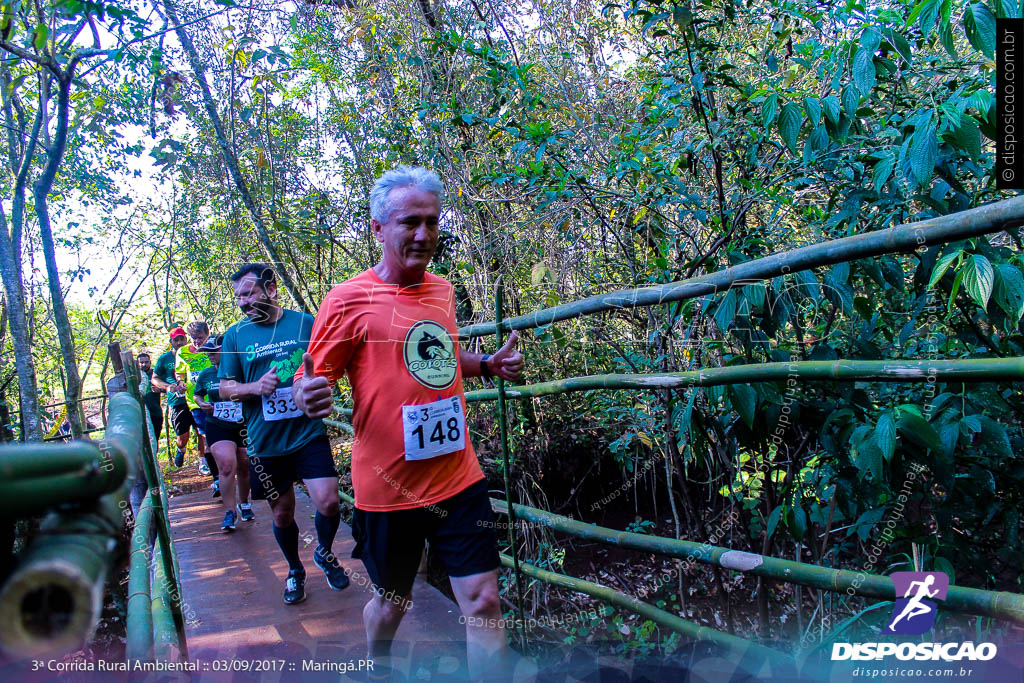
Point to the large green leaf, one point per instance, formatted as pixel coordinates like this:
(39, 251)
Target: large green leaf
(744, 401)
(980, 27)
(850, 101)
(968, 137)
(899, 43)
(941, 266)
(916, 429)
(813, 108)
(885, 434)
(863, 71)
(1009, 290)
(881, 172)
(924, 151)
(789, 124)
(796, 520)
(769, 109)
(831, 106)
(993, 436)
(978, 278)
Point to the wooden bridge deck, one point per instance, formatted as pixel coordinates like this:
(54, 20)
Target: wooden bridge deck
(232, 586)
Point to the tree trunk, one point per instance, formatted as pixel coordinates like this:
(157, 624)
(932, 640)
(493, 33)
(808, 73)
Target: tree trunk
(40, 191)
(199, 70)
(19, 154)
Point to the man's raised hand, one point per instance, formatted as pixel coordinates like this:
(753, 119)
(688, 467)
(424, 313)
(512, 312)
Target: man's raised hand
(267, 383)
(313, 394)
(507, 362)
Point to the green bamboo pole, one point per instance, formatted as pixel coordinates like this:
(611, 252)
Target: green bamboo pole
(165, 631)
(689, 629)
(983, 220)
(36, 477)
(51, 602)
(343, 426)
(997, 604)
(499, 303)
(139, 626)
(967, 370)
(167, 555)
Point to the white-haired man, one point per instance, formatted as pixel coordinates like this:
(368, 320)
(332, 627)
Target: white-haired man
(392, 330)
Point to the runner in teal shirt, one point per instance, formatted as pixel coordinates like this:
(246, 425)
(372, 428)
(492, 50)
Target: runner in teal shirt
(250, 350)
(258, 360)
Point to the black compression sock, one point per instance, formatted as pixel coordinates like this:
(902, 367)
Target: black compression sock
(288, 540)
(326, 528)
(212, 464)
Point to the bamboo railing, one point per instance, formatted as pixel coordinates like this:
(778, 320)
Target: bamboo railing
(983, 220)
(51, 602)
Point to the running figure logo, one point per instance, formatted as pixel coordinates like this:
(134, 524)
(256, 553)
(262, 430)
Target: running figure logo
(914, 613)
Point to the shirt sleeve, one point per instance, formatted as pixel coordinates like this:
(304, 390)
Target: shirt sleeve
(230, 363)
(331, 340)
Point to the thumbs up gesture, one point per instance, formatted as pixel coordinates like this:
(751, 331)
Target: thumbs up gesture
(268, 382)
(507, 362)
(312, 394)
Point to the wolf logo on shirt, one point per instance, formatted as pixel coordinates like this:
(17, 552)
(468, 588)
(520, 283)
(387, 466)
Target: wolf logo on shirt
(429, 355)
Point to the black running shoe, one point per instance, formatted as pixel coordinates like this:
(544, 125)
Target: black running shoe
(245, 512)
(295, 587)
(179, 459)
(229, 521)
(216, 488)
(336, 576)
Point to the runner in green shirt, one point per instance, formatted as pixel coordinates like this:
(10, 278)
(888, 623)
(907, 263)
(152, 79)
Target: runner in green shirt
(189, 362)
(163, 378)
(226, 434)
(259, 357)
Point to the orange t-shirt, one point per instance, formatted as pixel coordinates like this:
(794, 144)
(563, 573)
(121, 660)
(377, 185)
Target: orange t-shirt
(399, 347)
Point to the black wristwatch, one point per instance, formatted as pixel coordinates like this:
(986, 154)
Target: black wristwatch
(484, 370)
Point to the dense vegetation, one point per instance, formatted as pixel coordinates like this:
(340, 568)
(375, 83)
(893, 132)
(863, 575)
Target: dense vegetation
(586, 147)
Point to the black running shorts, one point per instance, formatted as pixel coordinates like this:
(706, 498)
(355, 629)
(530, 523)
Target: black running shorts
(270, 476)
(461, 531)
(181, 419)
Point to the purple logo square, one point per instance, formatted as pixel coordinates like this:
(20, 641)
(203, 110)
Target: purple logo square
(917, 596)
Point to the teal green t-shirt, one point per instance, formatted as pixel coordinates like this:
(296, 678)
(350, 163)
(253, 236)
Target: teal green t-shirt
(165, 370)
(207, 387)
(275, 425)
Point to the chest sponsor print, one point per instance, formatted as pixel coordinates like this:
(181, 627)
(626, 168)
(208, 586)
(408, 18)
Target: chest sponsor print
(430, 355)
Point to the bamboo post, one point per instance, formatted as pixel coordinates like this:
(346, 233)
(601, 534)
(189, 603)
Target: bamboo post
(503, 428)
(139, 626)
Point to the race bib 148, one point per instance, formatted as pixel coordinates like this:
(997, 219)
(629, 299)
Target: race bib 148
(434, 429)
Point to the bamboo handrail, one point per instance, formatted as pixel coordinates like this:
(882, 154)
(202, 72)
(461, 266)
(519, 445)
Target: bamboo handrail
(956, 370)
(733, 644)
(994, 217)
(998, 604)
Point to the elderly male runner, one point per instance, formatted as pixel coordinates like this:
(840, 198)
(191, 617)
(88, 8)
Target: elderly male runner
(258, 357)
(392, 330)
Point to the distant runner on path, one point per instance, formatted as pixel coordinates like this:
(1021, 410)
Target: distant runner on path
(163, 378)
(392, 330)
(259, 356)
(226, 434)
(151, 394)
(189, 362)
